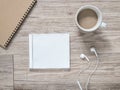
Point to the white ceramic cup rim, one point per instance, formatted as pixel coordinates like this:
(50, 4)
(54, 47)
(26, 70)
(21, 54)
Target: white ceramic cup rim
(95, 9)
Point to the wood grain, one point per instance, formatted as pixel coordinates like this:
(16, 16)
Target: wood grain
(6, 72)
(57, 16)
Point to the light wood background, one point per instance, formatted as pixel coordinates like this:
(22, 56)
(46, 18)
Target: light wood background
(6, 72)
(57, 16)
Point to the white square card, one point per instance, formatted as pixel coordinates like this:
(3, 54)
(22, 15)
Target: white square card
(49, 51)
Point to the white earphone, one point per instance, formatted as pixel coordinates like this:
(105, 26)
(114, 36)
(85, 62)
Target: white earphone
(93, 50)
(83, 56)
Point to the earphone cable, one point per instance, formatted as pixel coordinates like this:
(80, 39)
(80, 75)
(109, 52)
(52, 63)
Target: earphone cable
(84, 69)
(78, 82)
(91, 74)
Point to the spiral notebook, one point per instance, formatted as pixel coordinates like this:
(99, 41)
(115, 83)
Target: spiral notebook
(12, 14)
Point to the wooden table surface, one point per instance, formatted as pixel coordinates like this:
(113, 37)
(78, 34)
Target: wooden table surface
(6, 72)
(57, 16)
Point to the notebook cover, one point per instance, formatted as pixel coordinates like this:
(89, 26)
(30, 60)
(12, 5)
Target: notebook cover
(6, 72)
(12, 14)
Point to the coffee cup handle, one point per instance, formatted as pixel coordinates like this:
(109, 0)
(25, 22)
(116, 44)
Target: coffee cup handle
(103, 25)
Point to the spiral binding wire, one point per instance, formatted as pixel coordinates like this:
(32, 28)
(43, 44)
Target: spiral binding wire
(20, 22)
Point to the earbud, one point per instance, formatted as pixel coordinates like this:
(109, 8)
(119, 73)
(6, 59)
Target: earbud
(83, 56)
(93, 50)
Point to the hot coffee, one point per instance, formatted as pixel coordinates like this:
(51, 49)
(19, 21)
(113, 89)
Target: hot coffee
(87, 18)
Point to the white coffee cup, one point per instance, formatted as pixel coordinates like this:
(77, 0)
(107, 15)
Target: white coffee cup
(99, 23)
